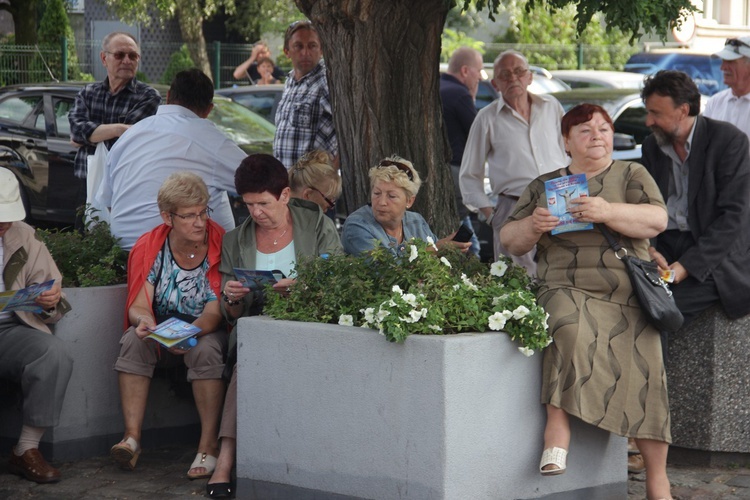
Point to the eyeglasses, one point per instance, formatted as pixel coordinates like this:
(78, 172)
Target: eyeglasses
(203, 215)
(507, 76)
(331, 203)
(398, 165)
(133, 56)
(735, 43)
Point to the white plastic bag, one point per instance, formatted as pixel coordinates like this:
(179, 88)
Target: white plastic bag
(94, 176)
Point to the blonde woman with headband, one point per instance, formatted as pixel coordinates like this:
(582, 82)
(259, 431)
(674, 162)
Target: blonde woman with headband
(314, 178)
(387, 221)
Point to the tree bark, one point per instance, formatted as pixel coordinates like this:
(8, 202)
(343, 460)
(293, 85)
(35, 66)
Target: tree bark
(24, 13)
(191, 29)
(382, 58)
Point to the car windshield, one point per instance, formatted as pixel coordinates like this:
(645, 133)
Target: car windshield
(240, 124)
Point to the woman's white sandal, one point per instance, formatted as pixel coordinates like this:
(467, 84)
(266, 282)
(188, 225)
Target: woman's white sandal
(553, 456)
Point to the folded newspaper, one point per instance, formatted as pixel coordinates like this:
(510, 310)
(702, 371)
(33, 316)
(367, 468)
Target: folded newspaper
(24, 299)
(172, 332)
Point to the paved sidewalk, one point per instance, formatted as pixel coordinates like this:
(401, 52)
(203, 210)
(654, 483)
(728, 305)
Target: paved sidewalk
(161, 474)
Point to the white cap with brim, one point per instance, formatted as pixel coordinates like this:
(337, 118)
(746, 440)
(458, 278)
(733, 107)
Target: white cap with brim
(11, 206)
(735, 48)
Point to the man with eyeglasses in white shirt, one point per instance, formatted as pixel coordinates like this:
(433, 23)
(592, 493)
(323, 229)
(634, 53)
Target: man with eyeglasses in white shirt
(519, 138)
(733, 104)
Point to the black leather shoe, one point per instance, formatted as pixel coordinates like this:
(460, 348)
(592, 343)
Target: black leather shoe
(33, 467)
(220, 490)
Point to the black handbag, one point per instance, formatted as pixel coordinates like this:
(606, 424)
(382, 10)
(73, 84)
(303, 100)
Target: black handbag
(653, 293)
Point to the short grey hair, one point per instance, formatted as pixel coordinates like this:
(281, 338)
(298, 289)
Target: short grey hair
(509, 52)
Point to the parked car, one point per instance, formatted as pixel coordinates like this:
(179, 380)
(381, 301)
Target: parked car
(588, 78)
(702, 68)
(628, 113)
(35, 143)
(262, 99)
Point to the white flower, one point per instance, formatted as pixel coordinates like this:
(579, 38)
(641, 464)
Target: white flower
(369, 314)
(507, 314)
(382, 313)
(526, 351)
(397, 289)
(416, 315)
(414, 253)
(468, 282)
(520, 312)
(435, 327)
(410, 299)
(346, 320)
(392, 303)
(456, 287)
(497, 321)
(430, 241)
(549, 341)
(445, 261)
(498, 268)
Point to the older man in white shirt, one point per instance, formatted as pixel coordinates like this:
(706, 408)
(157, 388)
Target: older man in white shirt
(733, 104)
(519, 137)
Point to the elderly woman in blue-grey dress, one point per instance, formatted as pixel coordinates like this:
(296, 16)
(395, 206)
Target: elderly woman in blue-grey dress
(394, 184)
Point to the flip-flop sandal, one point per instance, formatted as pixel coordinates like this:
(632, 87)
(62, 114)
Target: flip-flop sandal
(553, 456)
(205, 461)
(126, 453)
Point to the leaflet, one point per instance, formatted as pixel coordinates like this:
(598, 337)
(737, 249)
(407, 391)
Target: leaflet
(23, 299)
(172, 331)
(252, 278)
(560, 191)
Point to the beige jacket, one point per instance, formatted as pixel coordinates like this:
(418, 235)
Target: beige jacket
(27, 261)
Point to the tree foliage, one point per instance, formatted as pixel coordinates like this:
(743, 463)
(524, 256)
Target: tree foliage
(254, 18)
(53, 27)
(633, 17)
(602, 48)
(190, 15)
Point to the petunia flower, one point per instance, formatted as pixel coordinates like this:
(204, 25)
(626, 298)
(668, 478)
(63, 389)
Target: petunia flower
(414, 253)
(346, 320)
(520, 312)
(526, 351)
(446, 262)
(497, 321)
(498, 268)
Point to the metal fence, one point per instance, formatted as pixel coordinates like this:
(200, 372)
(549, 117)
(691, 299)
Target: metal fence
(27, 64)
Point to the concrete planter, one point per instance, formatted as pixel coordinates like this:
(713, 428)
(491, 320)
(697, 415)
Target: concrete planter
(336, 410)
(91, 420)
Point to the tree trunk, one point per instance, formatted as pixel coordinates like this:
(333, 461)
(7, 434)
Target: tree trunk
(24, 13)
(382, 58)
(191, 29)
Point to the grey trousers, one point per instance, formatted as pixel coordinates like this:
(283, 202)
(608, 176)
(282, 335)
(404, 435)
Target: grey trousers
(40, 363)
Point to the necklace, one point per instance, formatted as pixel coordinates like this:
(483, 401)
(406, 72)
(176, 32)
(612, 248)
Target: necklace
(276, 241)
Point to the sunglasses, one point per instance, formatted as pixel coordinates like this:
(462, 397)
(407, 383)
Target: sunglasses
(735, 43)
(304, 23)
(133, 56)
(331, 203)
(400, 166)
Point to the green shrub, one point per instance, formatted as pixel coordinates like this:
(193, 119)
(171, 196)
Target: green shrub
(90, 258)
(178, 61)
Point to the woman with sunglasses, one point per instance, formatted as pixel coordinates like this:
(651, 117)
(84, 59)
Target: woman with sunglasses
(280, 231)
(173, 271)
(386, 221)
(314, 178)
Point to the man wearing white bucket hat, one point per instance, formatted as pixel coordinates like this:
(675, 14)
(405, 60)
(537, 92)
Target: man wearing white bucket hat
(733, 104)
(29, 353)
